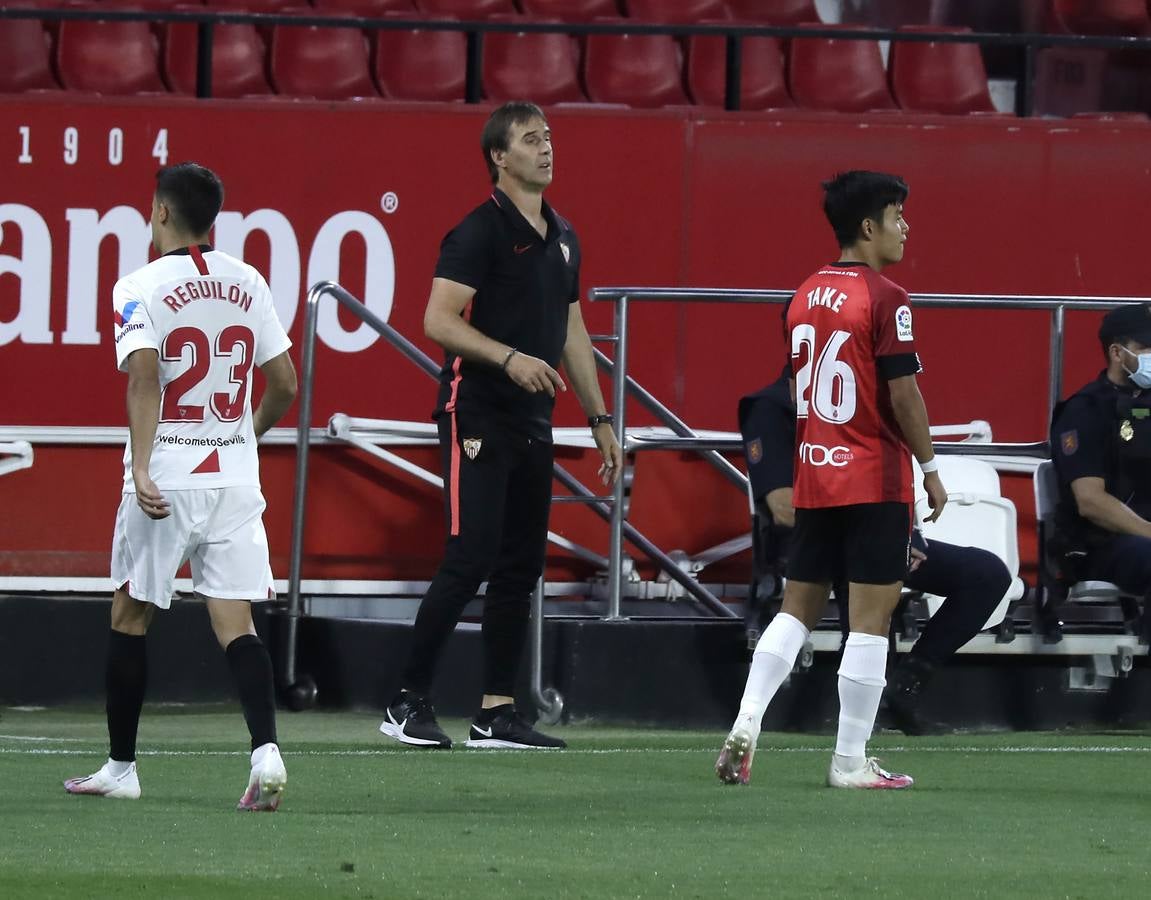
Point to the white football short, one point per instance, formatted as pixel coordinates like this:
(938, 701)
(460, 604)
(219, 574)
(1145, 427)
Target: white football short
(220, 532)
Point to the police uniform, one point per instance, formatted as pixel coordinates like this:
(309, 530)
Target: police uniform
(1104, 431)
(495, 437)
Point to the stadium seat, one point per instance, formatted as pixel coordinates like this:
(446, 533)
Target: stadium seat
(939, 77)
(1057, 585)
(419, 64)
(643, 70)
(570, 10)
(762, 81)
(369, 9)
(259, 6)
(466, 9)
(325, 63)
(238, 59)
(774, 12)
(108, 57)
(684, 12)
(977, 515)
(837, 74)
(1112, 17)
(25, 57)
(542, 66)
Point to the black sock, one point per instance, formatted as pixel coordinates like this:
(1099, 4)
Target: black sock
(486, 715)
(125, 678)
(252, 670)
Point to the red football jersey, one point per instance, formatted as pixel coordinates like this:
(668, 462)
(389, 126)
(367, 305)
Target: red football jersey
(849, 449)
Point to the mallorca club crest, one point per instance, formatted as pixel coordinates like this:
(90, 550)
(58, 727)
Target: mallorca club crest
(472, 447)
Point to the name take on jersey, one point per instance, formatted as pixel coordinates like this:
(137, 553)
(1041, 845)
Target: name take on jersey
(849, 331)
(210, 318)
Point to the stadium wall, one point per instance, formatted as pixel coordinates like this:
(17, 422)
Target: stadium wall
(363, 194)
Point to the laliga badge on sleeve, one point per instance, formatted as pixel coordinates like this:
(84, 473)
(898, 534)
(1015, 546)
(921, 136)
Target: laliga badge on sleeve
(472, 447)
(1126, 432)
(1069, 441)
(903, 324)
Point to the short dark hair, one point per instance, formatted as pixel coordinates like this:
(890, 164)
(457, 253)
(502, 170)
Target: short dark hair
(1125, 324)
(498, 128)
(193, 194)
(851, 197)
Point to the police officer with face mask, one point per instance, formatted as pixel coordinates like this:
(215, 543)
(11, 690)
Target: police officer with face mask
(1101, 445)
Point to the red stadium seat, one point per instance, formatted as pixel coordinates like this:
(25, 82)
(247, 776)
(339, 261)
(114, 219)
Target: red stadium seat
(1104, 16)
(570, 10)
(468, 10)
(642, 70)
(326, 63)
(238, 59)
(678, 12)
(762, 81)
(837, 74)
(369, 9)
(421, 64)
(939, 77)
(108, 57)
(25, 57)
(541, 66)
(774, 12)
(259, 6)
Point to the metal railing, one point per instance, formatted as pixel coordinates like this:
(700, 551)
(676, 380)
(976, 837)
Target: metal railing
(621, 382)
(1027, 43)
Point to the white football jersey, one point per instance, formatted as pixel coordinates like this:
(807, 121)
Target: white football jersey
(210, 318)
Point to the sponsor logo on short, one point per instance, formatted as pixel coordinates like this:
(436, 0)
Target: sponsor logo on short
(818, 455)
(472, 447)
(903, 324)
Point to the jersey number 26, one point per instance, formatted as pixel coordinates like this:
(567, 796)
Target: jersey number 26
(825, 384)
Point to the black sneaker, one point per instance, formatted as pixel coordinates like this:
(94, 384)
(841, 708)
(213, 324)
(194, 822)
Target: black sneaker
(903, 697)
(410, 719)
(502, 728)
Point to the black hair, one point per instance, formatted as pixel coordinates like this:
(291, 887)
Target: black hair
(193, 194)
(498, 128)
(851, 197)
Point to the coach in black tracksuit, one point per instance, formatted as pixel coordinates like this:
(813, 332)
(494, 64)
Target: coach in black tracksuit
(505, 307)
(972, 579)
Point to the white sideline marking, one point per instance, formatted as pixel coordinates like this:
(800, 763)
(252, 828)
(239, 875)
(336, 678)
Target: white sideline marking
(51, 751)
(31, 737)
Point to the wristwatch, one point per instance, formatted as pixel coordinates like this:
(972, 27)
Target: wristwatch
(605, 419)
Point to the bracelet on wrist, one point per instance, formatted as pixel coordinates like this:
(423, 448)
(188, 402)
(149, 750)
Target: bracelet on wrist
(930, 466)
(603, 419)
(508, 359)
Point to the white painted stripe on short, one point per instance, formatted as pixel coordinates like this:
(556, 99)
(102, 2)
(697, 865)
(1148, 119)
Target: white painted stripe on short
(610, 751)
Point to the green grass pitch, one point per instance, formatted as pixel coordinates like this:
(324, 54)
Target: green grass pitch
(624, 813)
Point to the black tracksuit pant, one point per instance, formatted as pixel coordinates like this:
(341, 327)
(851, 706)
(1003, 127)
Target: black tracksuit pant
(497, 493)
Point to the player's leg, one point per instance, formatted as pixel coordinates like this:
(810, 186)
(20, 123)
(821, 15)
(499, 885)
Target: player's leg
(973, 581)
(812, 563)
(876, 558)
(146, 554)
(507, 603)
(475, 490)
(230, 570)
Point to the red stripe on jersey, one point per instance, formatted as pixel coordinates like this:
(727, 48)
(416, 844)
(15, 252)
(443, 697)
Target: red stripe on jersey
(198, 259)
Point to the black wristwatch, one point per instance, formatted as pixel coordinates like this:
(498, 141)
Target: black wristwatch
(605, 419)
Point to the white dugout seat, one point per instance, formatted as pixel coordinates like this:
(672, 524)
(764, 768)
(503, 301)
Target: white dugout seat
(976, 515)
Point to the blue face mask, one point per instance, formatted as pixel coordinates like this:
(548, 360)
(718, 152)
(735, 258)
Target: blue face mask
(1141, 377)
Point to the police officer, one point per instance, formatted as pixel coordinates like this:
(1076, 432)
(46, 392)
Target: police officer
(1101, 445)
(972, 579)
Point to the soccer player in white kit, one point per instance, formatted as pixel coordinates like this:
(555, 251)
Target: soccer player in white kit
(189, 327)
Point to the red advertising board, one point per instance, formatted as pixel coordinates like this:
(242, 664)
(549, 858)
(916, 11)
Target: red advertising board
(362, 194)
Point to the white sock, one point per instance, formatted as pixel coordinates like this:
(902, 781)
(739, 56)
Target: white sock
(861, 682)
(771, 663)
(260, 752)
(116, 767)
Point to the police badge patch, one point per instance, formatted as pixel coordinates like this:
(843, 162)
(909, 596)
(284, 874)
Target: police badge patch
(754, 451)
(1069, 441)
(472, 446)
(566, 251)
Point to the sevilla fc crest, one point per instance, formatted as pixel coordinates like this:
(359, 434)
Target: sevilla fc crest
(472, 447)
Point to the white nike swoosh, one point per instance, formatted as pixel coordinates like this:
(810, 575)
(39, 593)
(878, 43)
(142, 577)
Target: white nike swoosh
(480, 731)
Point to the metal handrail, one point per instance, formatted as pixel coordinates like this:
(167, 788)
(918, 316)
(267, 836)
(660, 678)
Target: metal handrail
(622, 296)
(1028, 42)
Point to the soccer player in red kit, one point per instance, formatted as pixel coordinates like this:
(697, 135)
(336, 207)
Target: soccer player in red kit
(859, 417)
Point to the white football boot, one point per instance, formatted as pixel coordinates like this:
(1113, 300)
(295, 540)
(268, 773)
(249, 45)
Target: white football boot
(125, 786)
(266, 783)
(868, 777)
(734, 763)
